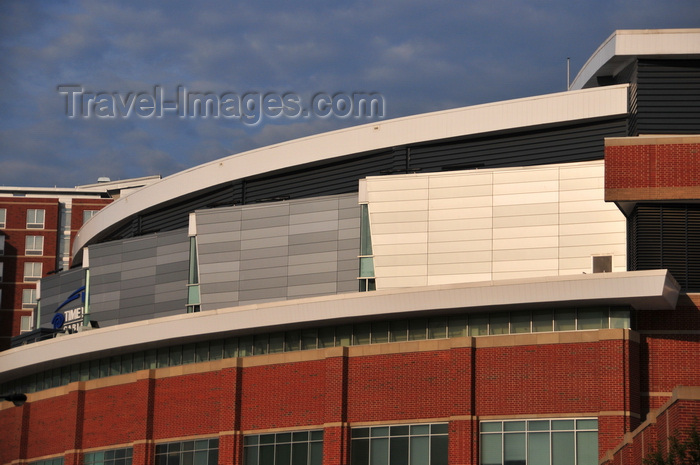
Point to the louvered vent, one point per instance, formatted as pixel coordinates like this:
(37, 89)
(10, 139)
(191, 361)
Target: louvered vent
(667, 237)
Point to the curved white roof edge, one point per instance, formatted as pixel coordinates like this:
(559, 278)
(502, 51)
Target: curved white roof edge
(531, 111)
(652, 289)
(636, 43)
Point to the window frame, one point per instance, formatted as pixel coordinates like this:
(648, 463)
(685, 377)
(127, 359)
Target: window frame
(119, 456)
(166, 452)
(88, 214)
(393, 438)
(36, 224)
(34, 250)
(528, 431)
(29, 326)
(31, 302)
(272, 445)
(33, 277)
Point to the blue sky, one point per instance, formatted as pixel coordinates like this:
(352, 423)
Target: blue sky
(420, 56)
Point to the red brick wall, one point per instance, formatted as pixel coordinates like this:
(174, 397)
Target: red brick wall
(334, 389)
(124, 407)
(654, 171)
(53, 425)
(183, 404)
(279, 396)
(14, 258)
(400, 386)
(675, 419)
(13, 436)
(670, 347)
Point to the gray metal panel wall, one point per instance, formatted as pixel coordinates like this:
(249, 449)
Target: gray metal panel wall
(55, 289)
(139, 278)
(276, 251)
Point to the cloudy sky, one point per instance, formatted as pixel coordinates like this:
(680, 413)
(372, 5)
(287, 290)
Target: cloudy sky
(419, 56)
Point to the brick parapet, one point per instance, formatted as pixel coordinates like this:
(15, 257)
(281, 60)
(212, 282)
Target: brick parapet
(652, 168)
(674, 418)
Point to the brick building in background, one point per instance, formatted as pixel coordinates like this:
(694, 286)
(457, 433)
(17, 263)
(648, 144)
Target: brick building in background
(510, 283)
(37, 228)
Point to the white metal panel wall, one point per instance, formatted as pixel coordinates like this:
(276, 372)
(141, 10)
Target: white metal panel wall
(482, 225)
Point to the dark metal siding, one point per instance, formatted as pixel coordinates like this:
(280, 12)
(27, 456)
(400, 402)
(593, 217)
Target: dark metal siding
(533, 146)
(571, 143)
(666, 237)
(667, 97)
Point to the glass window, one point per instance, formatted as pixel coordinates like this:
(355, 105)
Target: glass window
(26, 323)
(437, 328)
(541, 321)
(34, 245)
(398, 331)
(417, 329)
(366, 267)
(2, 244)
(276, 343)
(1, 269)
(308, 339)
(361, 334)
(343, 335)
(109, 457)
(565, 320)
(28, 298)
(292, 341)
(261, 344)
(35, 219)
(365, 232)
(620, 317)
(87, 214)
(457, 326)
(297, 448)
(423, 444)
(32, 271)
(551, 442)
(592, 318)
(53, 461)
(380, 332)
(326, 337)
(520, 322)
(479, 325)
(3, 218)
(198, 452)
(499, 323)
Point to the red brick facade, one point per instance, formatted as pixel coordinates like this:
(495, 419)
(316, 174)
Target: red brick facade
(652, 168)
(14, 257)
(460, 381)
(674, 419)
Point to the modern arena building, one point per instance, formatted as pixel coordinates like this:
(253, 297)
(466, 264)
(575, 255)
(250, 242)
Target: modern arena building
(509, 283)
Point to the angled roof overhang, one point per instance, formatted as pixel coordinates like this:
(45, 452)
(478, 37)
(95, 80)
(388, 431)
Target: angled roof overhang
(624, 46)
(643, 290)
